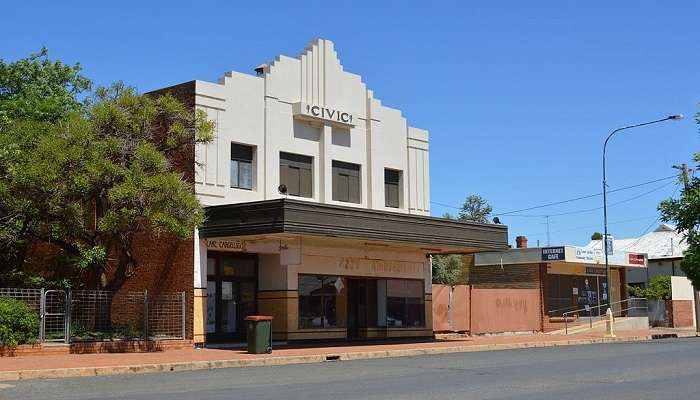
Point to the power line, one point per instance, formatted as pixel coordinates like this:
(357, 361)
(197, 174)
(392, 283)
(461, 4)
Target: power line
(586, 227)
(599, 208)
(563, 201)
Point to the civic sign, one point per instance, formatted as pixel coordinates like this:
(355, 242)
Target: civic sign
(307, 111)
(553, 253)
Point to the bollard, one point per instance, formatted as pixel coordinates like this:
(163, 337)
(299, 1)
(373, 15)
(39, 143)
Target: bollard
(609, 321)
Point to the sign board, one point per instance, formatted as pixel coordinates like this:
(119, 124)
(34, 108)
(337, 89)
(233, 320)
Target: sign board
(553, 253)
(321, 113)
(595, 271)
(584, 254)
(225, 244)
(609, 240)
(635, 259)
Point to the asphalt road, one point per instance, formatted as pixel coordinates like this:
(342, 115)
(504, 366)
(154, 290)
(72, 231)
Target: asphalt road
(663, 369)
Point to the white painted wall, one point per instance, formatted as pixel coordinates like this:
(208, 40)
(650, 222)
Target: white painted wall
(258, 111)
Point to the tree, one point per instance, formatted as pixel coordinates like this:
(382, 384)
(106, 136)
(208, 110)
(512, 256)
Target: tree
(659, 288)
(88, 178)
(475, 209)
(447, 268)
(32, 90)
(36, 88)
(684, 212)
(597, 236)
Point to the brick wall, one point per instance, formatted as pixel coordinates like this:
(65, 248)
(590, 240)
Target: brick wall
(681, 313)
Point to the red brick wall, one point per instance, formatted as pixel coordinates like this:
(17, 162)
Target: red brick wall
(682, 313)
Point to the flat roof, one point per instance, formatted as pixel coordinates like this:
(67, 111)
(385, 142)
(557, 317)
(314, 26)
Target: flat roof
(318, 219)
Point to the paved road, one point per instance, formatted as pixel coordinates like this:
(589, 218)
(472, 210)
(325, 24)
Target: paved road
(663, 369)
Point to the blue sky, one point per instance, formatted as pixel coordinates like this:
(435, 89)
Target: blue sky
(518, 96)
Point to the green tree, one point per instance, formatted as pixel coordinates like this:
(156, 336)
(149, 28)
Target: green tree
(91, 182)
(36, 88)
(597, 236)
(475, 209)
(32, 90)
(89, 177)
(659, 288)
(684, 212)
(447, 268)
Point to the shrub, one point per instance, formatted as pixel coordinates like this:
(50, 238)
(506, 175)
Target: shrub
(19, 323)
(659, 288)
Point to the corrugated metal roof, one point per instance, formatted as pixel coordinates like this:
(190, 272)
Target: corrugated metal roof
(662, 242)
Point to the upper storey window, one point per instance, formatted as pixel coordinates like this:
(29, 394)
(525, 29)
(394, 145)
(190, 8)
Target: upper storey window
(241, 166)
(296, 172)
(392, 188)
(346, 182)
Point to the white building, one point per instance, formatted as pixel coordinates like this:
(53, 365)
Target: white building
(663, 246)
(318, 203)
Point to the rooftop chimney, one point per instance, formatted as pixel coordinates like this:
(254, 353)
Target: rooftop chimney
(261, 69)
(521, 242)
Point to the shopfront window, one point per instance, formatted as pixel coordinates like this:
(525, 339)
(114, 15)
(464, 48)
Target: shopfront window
(404, 303)
(322, 301)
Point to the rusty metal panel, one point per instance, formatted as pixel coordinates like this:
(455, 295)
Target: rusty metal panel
(441, 298)
(505, 310)
(460, 308)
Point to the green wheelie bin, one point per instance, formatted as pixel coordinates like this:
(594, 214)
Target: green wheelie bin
(259, 334)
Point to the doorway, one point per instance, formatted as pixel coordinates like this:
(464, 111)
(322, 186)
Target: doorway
(231, 295)
(362, 306)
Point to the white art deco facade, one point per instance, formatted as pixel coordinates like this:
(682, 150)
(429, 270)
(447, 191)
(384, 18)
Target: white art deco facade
(317, 200)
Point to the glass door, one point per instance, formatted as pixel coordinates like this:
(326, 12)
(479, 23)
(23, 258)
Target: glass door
(231, 294)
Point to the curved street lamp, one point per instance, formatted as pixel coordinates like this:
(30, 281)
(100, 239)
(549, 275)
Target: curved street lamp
(675, 117)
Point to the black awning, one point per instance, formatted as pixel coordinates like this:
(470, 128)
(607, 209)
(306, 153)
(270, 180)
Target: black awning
(311, 218)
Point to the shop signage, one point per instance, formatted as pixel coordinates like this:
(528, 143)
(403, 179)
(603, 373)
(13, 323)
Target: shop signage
(317, 112)
(635, 259)
(584, 254)
(553, 254)
(595, 271)
(225, 245)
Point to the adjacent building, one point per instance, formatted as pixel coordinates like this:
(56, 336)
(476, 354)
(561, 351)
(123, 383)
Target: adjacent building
(318, 202)
(568, 278)
(664, 247)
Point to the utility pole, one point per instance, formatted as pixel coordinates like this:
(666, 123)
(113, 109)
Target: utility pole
(683, 175)
(548, 242)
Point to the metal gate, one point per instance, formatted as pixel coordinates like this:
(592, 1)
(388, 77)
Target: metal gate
(55, 324)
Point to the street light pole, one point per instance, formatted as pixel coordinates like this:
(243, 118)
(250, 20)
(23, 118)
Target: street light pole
(605, 195)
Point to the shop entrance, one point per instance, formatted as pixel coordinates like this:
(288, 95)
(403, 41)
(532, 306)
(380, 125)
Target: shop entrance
(362, 306)
(231, 295)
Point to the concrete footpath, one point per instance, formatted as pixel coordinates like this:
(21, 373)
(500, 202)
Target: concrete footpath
(79, 365)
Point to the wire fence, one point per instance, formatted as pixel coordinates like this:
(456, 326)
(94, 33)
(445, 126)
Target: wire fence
(93, 315)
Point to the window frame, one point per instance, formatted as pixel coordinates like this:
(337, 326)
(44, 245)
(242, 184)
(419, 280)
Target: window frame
(323, 297)
(238, 161)
(297, 162)
(395, 185)
(349, 172)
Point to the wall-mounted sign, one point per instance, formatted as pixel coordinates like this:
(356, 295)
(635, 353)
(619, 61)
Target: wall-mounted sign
(584, 254)
(316, 112)
(635, 259)
(595, 271)
(553, 254)
(225, 245)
